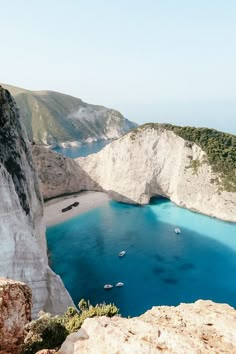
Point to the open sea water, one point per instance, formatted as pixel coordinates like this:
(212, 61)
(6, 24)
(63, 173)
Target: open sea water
(159, 268)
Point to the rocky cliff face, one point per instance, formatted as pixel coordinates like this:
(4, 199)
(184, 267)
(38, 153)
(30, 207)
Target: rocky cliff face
(15, 312)
(23, 254)
(53, 118)
(200, 328)
(59, 175)
(157, 162)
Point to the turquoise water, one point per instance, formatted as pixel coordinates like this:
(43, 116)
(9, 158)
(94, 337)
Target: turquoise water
(82, 150)
(160, 267)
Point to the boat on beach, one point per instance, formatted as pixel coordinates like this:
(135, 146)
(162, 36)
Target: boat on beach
(122, 253)
(69, 207)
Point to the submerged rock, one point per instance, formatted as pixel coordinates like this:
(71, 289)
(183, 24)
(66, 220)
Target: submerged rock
(199, 328)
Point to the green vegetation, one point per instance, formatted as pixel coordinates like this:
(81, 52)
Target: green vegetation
(220, 148)
(51, 331)
(47, 332)
(73, 320)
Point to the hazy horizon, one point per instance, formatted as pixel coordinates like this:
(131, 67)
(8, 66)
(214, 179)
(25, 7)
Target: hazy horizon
(162, 61)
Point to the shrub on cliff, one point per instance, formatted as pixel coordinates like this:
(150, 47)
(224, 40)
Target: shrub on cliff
(45, 332)
(73, 320)
(51, 331)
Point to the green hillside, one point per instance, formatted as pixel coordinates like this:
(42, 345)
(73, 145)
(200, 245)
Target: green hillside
(52, 117)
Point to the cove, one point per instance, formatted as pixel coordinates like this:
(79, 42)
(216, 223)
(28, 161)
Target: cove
(159, 268)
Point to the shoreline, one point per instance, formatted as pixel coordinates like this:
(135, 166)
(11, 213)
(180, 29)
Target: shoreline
(87, 201)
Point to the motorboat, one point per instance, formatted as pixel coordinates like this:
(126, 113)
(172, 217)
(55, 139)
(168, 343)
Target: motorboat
(122, 253)
(119, 285)
(177, 231)
(108, 286)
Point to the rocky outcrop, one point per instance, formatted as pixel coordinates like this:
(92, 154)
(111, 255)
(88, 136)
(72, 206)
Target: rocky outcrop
(15, 312)
(157, 162)
(59, 175)
(199, 328)
(23, 253)
(53, 118)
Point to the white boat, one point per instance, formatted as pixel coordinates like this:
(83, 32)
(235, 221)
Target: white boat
(122, 253)
(119, 285)
(177, 231)
(108, 286)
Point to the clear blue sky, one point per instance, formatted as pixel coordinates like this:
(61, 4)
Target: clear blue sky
(154, 60)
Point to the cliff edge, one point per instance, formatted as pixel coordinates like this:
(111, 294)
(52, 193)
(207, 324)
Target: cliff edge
(23, 252)
(204, 327)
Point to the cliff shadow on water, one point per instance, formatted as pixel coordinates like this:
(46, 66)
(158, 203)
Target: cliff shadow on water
(159, 268)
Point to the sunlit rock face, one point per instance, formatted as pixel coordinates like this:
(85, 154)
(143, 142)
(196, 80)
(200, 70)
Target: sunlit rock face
(15, 313)
(156, 162)
(200, 328)
(23, 252)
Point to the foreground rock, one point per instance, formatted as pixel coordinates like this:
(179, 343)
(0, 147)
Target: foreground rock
(15, 312)
(60, 175)
(157, 162)
(23, 251)
(202, 327)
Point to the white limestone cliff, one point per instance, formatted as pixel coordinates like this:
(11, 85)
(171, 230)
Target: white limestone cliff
(156, 162)
(23, 253)
(200, 328)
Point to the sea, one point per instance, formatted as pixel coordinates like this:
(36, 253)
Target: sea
(83, 150)
(159, 267)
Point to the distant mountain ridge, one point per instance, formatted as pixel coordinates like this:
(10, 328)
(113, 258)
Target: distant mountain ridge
(53, 118)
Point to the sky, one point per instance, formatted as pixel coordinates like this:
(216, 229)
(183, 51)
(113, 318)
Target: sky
(153, 60)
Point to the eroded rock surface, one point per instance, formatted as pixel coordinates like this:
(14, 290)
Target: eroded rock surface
(157, 162)
(200, 328)
(15, 312)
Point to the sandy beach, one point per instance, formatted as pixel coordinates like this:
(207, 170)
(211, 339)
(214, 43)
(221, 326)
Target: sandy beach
(87, 201)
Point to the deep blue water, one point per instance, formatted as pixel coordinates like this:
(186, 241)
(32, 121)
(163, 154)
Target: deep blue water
(160, 267)
(83, 150)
